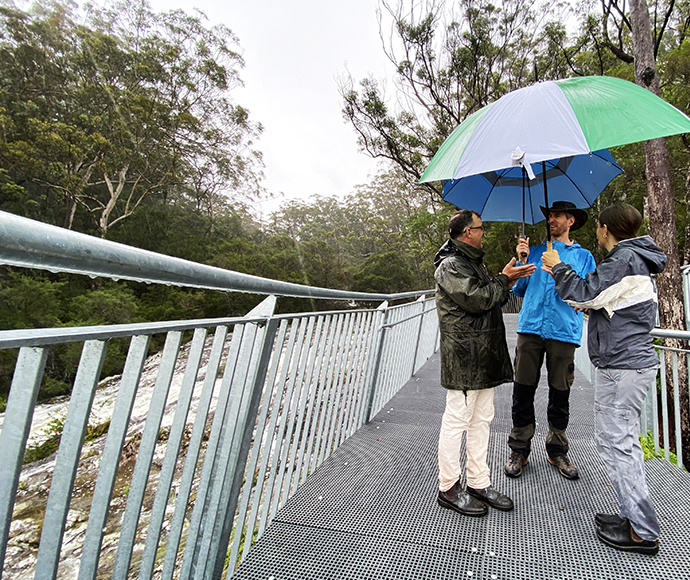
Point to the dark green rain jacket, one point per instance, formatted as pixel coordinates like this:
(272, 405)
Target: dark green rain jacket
(474, 352)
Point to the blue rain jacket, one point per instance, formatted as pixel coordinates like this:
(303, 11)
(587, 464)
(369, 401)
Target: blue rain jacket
(543, 311)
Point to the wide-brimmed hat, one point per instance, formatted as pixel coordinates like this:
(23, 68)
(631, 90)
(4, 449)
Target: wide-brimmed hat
(567, 206)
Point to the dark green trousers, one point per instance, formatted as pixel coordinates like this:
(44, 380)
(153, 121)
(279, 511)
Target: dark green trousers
(560, 368)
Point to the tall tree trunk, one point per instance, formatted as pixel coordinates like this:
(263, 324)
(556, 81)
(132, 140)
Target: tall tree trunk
(662, 217)
(69, 214)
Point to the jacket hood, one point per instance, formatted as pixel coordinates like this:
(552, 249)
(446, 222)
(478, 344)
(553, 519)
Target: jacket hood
(453, 248)
(645, 247)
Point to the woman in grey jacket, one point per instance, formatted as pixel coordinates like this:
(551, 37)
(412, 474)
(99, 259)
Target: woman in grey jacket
(621, 298)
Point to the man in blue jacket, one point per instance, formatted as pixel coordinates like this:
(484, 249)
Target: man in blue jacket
(547, 326)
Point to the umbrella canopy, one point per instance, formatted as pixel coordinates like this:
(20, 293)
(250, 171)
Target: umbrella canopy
(509, 195)
(552, 120)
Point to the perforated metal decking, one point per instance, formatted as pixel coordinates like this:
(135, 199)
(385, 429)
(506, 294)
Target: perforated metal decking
(370, 512)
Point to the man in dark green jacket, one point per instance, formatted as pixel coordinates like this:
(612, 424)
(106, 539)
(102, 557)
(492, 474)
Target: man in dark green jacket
(474, 360)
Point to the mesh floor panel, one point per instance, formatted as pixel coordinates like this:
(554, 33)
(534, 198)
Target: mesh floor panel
(370, 511)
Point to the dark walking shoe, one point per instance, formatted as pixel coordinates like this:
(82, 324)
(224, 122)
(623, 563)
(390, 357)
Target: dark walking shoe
(462, 503)
(494, 498)
(608, 519)
(516, 462)
(620, 538)
(565, 466)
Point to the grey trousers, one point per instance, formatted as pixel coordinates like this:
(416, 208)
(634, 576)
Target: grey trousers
(618, 398)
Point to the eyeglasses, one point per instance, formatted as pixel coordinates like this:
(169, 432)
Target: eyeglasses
(481, 227)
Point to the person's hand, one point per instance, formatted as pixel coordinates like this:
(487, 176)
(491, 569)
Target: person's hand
(515, 272)
(550, 258)
(522, 249)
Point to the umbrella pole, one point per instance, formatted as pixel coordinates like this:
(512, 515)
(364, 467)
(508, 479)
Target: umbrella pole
(549, 245)
(523, 255)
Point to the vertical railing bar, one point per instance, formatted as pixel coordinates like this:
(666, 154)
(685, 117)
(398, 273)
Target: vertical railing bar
(308, 354)
(172, 450)
(26, 382)
(335, 410)
(423, 346)
(302, 425)
(383, 371)
(655, 416)
(328, 391)
(244, 419)
(360, 374)
(376, 364)
(399, 344)
(408, 348)
(369, 366)
(260, 449)
(110, 458)
(356, 384)
(314, 444)
(664, 404)
(192, 456)
(429, 313)
(286, 423)
(388, 362)
(67, 460)
(241, 448)
(312, 401)
(147, 447)
(349, 365)
(214, 507)
(352, 379)
(421, 301)
(211, 455)
(676, 407)
(372, 341)
(361, 366)
(275, 427)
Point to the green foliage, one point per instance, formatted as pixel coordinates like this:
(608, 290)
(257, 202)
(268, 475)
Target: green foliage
(386, 273)
(104, 108)
(53, 433)
(649, 451)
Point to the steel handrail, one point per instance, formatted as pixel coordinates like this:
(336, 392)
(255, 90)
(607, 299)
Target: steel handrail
(28, 243)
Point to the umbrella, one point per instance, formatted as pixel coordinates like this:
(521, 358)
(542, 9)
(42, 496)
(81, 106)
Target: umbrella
(552, 120)
(510, 195)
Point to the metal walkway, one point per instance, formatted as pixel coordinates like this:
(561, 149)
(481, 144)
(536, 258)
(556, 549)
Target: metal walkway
(370, 512)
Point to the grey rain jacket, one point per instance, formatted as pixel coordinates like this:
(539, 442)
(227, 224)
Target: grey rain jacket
(621, 296)
(474, 352)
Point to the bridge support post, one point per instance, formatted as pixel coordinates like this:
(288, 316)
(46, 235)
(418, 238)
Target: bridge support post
(376, 365)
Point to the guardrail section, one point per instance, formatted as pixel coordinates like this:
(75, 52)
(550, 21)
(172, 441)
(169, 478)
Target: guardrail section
(205, 439)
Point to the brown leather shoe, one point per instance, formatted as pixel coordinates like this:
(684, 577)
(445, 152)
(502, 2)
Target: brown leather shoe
(516, 461)
(565, 466)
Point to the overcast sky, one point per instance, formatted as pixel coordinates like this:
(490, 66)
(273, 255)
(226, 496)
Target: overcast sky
(294, 52)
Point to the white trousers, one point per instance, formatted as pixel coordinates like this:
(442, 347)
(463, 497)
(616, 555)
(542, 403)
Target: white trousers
(472, 413)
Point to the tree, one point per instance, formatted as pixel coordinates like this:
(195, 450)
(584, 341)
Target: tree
(101, 115)
(445, 72)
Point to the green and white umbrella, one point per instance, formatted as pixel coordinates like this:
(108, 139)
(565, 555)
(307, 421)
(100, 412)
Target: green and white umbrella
(554, 119)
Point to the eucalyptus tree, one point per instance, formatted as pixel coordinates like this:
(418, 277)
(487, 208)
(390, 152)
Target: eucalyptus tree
(448, 65)
(102, 108)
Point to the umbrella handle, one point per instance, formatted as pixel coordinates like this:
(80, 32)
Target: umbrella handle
(549, 246)
(523, 255)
